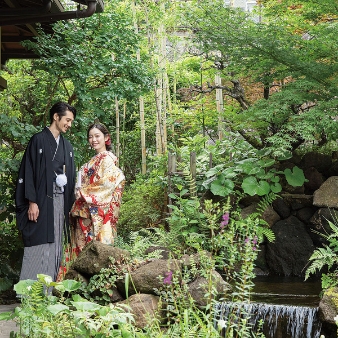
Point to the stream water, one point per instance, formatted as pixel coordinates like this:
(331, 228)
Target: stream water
(286, 306)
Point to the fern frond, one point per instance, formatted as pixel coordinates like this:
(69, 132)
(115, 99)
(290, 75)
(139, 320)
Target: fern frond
(191, 182)
(321, 257)
(36, 294)
(334, 229)
(266, 202)
(267, 232)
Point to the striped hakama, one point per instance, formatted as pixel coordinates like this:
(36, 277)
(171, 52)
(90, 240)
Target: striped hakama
(46, 258)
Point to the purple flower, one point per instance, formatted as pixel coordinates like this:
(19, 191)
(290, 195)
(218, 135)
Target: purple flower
(167, 279)
(225, 219)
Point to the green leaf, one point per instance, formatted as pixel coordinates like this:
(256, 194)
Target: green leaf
(249, 185)
(183, 192)
(55, 309)
(70, 285)
(45, 279)
(86, 306)
(257, 171)
(266, 163)
(295, 177)
(263, 188)
(23, 287)
(275, 179)
(222, 189)
(6, 315)
(276, 188)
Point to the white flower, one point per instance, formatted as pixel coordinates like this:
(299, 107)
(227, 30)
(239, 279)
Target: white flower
(221, 324)
(40, 151)
(71, 154)
(20, 180)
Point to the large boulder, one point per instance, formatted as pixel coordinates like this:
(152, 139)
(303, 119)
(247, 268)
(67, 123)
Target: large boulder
(328, 306)
(282, 208)
(314, 179)
(95, 256)
(321, 162)
(269, 215)
(327, 195)
(202, 289)
(288, 255)
(150, 277)
(144, 308)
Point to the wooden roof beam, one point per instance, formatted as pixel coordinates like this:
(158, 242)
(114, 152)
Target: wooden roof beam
(89, 11)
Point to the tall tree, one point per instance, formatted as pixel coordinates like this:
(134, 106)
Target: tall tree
(291, 55)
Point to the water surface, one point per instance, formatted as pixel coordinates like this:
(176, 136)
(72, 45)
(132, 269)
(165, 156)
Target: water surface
(286, 291)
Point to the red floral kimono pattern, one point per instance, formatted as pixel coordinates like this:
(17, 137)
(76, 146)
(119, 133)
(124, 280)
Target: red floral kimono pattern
(98, 201)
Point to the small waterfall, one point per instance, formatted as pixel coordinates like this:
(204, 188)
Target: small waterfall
(279, 321)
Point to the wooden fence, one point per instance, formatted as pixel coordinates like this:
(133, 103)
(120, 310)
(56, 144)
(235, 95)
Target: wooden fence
(173, 164)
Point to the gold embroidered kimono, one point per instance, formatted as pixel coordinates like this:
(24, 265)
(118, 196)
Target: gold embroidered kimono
(97, 205)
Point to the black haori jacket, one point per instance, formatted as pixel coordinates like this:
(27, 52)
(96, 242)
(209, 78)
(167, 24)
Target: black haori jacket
(35, 183)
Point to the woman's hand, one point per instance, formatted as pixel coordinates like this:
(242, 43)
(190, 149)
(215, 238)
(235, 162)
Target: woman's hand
(77, 193)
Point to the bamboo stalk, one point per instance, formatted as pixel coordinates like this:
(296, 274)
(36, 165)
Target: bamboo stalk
(219, 106)
(141, 108)
(117, 114)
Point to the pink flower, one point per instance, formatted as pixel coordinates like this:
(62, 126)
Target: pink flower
(225, 219)
(167, 279)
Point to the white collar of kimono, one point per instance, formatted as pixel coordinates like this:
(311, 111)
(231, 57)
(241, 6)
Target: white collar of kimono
(57, 139)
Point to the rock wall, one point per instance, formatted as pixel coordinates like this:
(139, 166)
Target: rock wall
(300, 216)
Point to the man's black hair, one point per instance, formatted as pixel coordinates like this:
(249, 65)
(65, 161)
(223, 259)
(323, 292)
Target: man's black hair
(60, 108)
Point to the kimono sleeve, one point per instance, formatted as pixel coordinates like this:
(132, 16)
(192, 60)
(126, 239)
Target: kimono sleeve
(107, 178)
(25, 187)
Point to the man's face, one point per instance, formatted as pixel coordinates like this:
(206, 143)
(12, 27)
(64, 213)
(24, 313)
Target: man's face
(65, 122)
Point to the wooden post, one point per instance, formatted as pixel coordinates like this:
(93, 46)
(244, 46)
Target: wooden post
(171, 171)
(210, 160)
(117, 148)
(141, 107)
(193, 164)
(219, 105)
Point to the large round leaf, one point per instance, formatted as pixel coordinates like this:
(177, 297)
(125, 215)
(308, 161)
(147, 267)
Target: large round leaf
(263, 188)
(249, 185)
(56, 308)
(295, 177)
(221, 187)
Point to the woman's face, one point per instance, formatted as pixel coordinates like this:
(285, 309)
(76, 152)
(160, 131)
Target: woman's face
(97, 140)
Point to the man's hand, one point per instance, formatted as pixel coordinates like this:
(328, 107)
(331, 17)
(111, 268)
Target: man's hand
(33, 211)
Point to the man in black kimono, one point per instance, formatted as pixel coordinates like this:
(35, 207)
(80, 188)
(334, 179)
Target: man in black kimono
(45, 194)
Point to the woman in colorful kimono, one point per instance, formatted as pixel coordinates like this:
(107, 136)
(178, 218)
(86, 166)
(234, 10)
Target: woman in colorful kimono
(98, 194)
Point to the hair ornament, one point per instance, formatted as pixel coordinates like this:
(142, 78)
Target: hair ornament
(108, 141)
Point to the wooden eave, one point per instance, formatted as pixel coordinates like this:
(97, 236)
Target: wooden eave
(18, 20)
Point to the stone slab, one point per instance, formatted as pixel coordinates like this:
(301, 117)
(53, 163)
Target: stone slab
(7, 326)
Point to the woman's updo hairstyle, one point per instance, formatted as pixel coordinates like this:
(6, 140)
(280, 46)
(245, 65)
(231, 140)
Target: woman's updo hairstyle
(104, 131)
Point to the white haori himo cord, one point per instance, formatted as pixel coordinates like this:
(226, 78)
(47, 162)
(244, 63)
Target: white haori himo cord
(61, 180)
